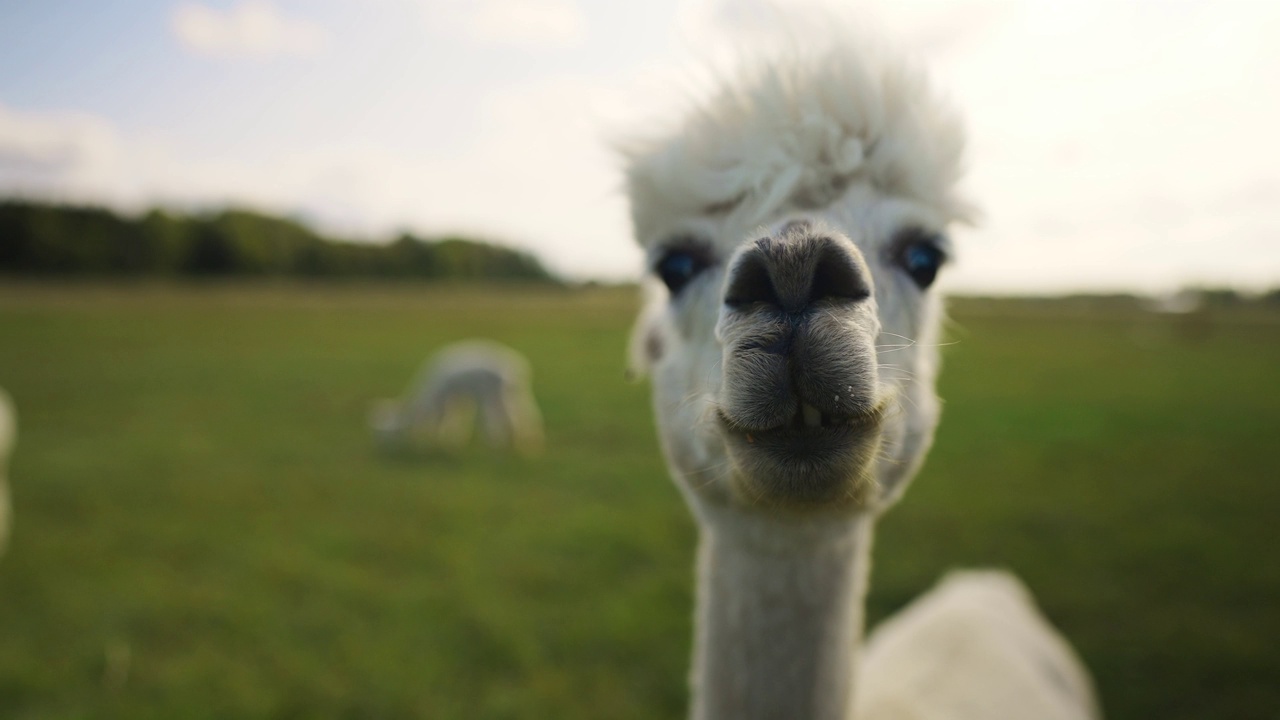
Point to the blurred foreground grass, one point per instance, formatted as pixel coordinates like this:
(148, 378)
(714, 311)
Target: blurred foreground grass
(204, 531)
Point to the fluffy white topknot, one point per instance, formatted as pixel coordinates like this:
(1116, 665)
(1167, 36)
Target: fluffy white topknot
(805, 113)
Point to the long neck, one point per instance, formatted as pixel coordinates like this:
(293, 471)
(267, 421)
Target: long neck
(779, 618)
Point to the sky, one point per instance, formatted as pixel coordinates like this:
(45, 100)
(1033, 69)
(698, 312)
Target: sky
(1115, 145)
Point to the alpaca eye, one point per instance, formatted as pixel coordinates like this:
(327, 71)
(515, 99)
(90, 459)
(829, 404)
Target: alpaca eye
(679, 266)
(921, 256)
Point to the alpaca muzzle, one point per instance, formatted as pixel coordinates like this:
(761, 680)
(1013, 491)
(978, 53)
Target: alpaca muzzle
(799, 402)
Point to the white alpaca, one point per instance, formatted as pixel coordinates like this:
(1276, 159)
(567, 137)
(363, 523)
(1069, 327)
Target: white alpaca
(8, 436)
(794, 223)
(457, 384)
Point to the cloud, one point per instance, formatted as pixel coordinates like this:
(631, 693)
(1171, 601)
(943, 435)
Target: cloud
(535, 174)
(1106, 162)
(509, 23)
(1101, 161)
(934, 28)
(942, 29)
(252, 29)
(529, 23)
(81, 157)
(67, 154)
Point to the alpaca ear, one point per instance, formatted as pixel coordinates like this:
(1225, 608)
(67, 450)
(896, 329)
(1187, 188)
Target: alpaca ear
(648, 342)
(643, 349)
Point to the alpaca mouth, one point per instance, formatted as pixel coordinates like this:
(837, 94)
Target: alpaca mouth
(814, 459)
(807, 422)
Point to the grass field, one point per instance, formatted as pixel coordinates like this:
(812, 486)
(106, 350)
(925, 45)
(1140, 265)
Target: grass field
(203, 529)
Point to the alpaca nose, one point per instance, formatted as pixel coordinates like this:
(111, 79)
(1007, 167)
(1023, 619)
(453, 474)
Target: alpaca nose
(798, 268)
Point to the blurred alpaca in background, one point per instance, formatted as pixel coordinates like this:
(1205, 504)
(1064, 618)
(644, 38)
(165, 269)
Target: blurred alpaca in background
(462, 384)
(8, 434)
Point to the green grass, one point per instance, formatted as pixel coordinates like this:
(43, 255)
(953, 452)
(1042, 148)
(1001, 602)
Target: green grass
(203, 529)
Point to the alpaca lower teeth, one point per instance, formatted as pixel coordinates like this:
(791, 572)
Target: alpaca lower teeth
(812, 417)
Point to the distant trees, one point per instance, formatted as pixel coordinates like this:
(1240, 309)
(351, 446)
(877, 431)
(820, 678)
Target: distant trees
(46, 239)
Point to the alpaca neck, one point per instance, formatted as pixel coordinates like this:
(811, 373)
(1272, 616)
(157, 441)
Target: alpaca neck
(780, 608)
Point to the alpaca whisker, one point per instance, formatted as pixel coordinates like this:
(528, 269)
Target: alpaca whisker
(914, 341)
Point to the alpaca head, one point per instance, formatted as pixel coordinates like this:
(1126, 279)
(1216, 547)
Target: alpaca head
(793, 225)
(386, 420)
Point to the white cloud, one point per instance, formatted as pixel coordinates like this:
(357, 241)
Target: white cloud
(943, 29)
(79, 157)
(1106, 157)
(536, 174)
(66, 154)
(526, 24)
(540, 173)
(251, 29)
(1114, 145)
(935, 28)
(555, 23)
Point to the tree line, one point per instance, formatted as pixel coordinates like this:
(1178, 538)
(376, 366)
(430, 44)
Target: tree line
(44, 239)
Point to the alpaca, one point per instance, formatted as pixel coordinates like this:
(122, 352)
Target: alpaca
(452, 387)
(794, 223)
(8, 436)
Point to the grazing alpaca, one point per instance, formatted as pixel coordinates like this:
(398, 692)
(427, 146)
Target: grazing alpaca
(794, 223)
(8, 435)
(471, 378)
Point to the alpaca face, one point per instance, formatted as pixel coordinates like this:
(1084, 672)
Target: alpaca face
(794, 366)
(790, 325)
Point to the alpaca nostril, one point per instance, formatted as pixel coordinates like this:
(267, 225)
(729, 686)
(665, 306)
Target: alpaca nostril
(796, 270)
(838, 276)
(750, 281)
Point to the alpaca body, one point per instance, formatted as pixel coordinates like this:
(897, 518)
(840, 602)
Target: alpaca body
(794, 223)
(462, 384)
(973, 647)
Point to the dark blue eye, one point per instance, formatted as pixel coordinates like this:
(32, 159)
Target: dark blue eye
(921, 256)
(679, 266)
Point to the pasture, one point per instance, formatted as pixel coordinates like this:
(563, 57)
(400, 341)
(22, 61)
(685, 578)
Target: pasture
(203, 528)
